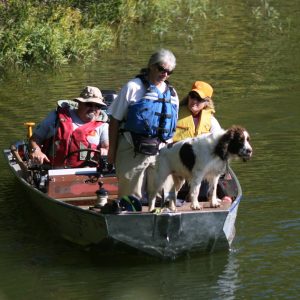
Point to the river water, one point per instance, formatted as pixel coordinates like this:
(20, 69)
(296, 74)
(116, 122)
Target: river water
(255, 70)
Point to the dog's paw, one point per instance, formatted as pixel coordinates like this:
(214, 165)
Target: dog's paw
(151, 205)
(215, 203)
(172, 206)
(151, 208)
(196, 205)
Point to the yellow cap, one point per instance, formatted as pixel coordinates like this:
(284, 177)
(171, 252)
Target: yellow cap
(203, 89)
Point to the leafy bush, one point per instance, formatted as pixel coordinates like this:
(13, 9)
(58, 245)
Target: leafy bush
(57, 32)
(53, 34)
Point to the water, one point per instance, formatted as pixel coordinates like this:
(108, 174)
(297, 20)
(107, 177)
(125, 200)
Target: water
(254, 70)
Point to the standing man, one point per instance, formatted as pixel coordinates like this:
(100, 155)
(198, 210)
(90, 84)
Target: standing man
(143, 119)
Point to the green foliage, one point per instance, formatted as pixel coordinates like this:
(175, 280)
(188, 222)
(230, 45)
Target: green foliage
(41, 34)
(267, 14)
(57, 32)
(160, 16)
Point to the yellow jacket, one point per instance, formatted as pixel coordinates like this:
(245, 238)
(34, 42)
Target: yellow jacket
(185, 125)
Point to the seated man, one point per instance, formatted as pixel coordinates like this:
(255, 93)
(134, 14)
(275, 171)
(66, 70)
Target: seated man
(62, 137)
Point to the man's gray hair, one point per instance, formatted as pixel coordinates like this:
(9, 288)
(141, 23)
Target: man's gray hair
(163, 56)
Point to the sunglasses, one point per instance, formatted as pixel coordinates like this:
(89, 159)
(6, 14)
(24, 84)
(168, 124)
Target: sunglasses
(163, 70)
(195, 96)
(97, 106)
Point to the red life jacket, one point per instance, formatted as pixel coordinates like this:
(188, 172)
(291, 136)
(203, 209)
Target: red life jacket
(67, 140)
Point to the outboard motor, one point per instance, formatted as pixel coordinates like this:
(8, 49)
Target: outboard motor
(109, 96)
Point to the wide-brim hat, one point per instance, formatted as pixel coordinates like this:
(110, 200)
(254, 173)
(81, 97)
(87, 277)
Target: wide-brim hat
(203, 89)
(91, 94)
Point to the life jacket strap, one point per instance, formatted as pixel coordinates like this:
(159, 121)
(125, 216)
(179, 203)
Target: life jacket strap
(165, 116)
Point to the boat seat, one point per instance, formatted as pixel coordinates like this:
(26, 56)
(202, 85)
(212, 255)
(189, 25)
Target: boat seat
(80, 186)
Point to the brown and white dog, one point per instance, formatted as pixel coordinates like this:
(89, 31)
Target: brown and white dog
(195, 159)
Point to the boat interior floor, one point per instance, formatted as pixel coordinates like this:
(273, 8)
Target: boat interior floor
(81, 191)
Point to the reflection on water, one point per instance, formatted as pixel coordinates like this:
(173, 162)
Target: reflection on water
(228, 282)
(255, 75)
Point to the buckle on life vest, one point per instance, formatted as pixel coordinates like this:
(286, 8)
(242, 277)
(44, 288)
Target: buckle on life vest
(165, 116)
(163, 100)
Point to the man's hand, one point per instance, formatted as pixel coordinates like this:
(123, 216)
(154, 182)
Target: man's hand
(38, 157)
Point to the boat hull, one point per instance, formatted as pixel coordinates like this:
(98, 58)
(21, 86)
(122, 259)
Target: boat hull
(165, 235)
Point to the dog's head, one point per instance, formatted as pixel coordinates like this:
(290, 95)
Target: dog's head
(234, 142)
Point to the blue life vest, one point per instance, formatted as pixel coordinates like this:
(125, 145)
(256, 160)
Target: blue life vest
(155, 115)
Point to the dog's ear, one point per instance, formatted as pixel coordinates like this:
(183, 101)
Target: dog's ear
(236, 139)
(229, 142)
(221, 149)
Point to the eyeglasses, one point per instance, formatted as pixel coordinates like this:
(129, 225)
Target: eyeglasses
(163, 70)
(94, 105)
